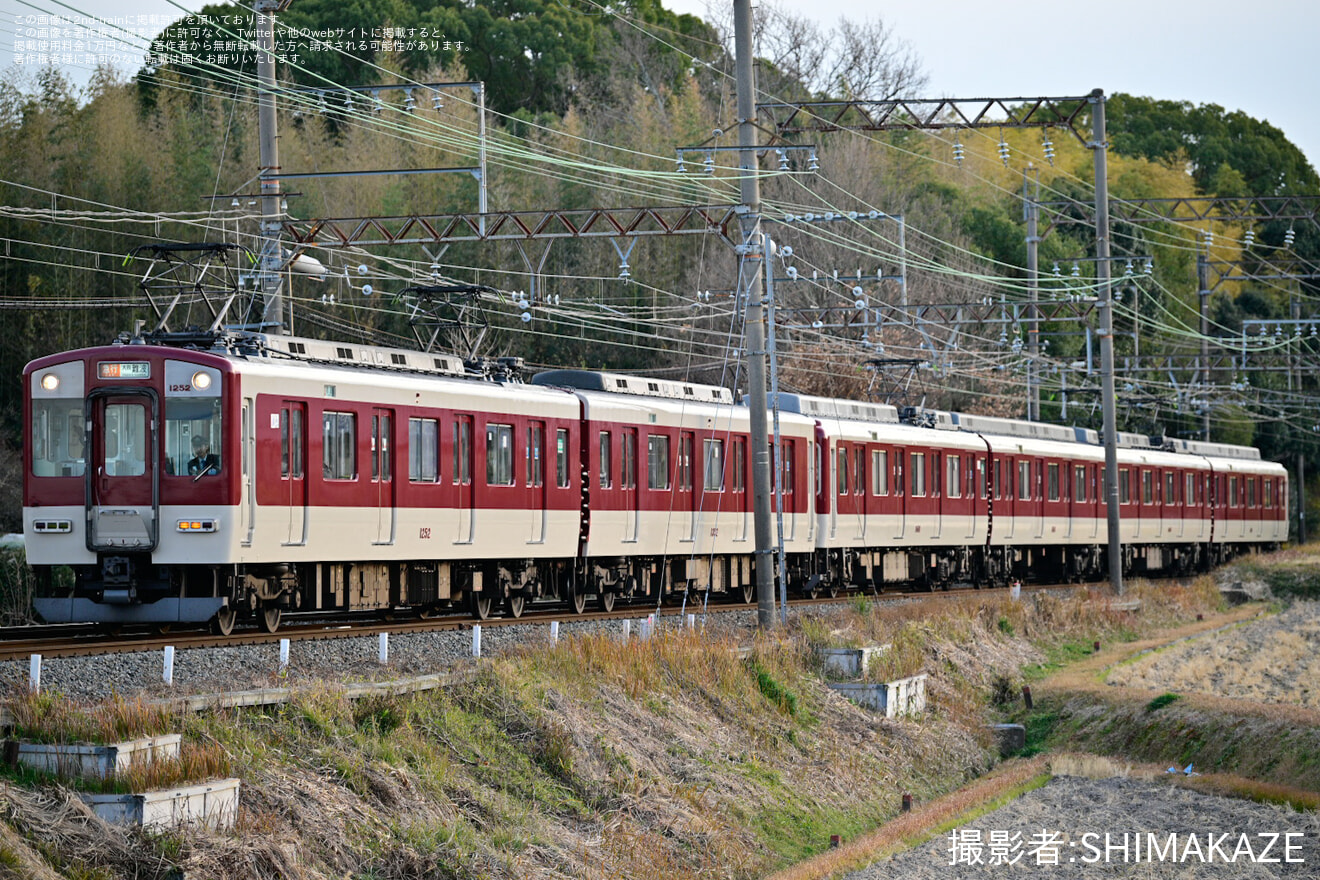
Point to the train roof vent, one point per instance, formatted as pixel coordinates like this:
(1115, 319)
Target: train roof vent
(1015, 428)
(345, 353)
(591, 380)
(1211, 450)
(363, 356)
(832, 408)
(1130, 440)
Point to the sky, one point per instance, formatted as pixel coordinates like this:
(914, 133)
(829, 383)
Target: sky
(1254, 57)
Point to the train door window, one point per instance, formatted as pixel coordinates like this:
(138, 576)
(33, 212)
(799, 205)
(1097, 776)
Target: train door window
(1269, 493)
(953, 482)
(1052, 480)
(125, 439)
(1189, 489)
(1232, 491)
(841, 469)
(463, 450)
(713, 465)
(935, 474)
(686, 444)
(1079, 483)
(657, 461)
(561, 458)
(980, 478)
(628, 460)
(339, 446)
(1170, 487)
(423, 450)
(606, 464)
(879, 472)
(535, 454)
(291, 442)
(1251, 491)
(917, 465)
(1024, 480)
(859, 470)
(999, 478)
(499, 455)
(1124, 487)
(786, 464)
(1147, 487)
(380, 448)
(739, 464)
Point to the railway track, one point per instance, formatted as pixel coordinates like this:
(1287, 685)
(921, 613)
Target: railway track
(84, 640)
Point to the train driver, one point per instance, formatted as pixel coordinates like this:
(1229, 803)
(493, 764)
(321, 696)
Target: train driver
(203, 460)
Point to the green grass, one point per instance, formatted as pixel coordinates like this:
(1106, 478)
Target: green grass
(1161, 701)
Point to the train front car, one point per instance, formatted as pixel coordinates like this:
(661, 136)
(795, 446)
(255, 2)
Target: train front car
(130, 478)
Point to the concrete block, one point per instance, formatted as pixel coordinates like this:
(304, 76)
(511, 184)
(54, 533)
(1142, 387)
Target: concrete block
(849, 662)
(1012, 738)
(905, 696)
(88, 761)
(212, 804)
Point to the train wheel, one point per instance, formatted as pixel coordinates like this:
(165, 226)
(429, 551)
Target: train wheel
(606, 601)
(516, 605)
(481, 605)
(577, 599)
(269, 618)
(223, 622)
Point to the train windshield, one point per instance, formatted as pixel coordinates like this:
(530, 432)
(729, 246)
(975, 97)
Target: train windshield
(57, 438)
(193, 436)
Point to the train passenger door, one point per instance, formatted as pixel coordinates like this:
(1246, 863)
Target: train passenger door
(123, 501)
(536, 480)
(248, 502)
(382, 473)
(687, 507)
(463, 478)
(628, 482)
(293, 469)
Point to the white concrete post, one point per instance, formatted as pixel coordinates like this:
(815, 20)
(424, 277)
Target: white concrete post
(34, 674)
(284, 654)
(169, 664)
(476, 640)
(384, 649)
(692, 621)
(627, 628)
(554, 632)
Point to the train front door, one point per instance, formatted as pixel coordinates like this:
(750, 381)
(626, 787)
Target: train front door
(123, 481)
(293, 471)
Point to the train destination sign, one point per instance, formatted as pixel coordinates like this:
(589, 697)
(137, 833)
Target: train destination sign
(123, 370)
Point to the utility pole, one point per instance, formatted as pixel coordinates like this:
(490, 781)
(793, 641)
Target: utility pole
(1109, 402)
(1031, 205)
(752, 257)
(1203, 368)
(270, 278)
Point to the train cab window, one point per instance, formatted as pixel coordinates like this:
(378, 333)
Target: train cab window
(57, 438)
(739, 457)
(1052, 480)
(1079, 483)
(1189, 489)
(879, 472)
(423, 450)
(1024, 481)
(339, 446)
(841, 463)
(657, 461)
(1170, 487)
(1124, 487)
(186, 418)
(953, 481)
(917, 465)
(1147, 487)
(713, 465)
(463, 451)
(606, 463)
(859, 470)
(561, 458)
(499, 455)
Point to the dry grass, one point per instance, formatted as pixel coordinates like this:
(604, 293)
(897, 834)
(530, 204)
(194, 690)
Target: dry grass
(50, 718)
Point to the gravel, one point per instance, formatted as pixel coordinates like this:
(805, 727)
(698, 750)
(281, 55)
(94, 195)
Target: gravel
(313, 660)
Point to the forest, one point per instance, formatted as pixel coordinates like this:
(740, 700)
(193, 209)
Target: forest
(585, 106)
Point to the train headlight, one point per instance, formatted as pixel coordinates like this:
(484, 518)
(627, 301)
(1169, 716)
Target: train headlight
(201, 380)
(50, 382)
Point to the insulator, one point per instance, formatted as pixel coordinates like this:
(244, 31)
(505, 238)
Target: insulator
(321, 106)
(709, 163)
(1076, 271)
(1003, 152)
(1127, 269)
(1289, 237)
(1150, 267)
(409, 103)
(958, 152)
(436, 102)
(783, 160)
(1207, 238)
(348, 102)
(682, 169)
(1048, 147)
(813, 164)
(1249, 239)
(1058, 273)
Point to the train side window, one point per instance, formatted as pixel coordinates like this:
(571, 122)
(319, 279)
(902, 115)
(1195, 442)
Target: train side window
(339, 446)
(423, 450)
(561, 458)
(841, 469)
(657, 461)
(879, 472)
(499, 455)
(463, 451)
(953, 482)
(1024, 480)
(1124, 487)
(606, 462)
(713, 470)
(917, 465)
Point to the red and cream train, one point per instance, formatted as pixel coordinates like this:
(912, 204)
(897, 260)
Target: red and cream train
(355, 478)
